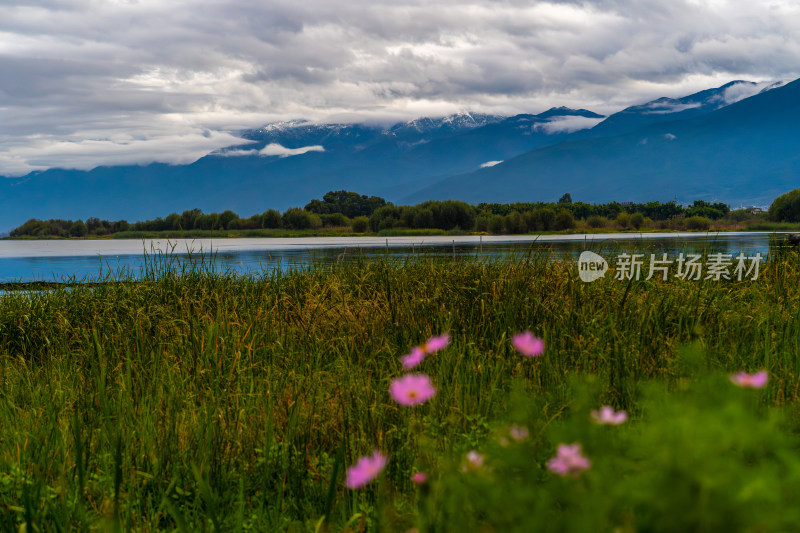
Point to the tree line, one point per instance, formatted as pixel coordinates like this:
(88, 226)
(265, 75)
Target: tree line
(350, 211)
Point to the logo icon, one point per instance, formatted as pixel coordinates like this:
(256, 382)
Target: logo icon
(591, 266)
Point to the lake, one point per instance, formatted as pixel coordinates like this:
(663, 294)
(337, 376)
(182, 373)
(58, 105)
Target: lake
(84, 260)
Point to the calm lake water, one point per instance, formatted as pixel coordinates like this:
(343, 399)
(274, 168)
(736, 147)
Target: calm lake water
(67, 260)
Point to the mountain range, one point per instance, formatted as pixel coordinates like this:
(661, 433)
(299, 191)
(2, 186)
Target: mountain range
(736, 143)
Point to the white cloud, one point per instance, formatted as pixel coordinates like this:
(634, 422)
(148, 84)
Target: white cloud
(663, 108)
(74, 70)
(490, 164)
(567, 124)
(670, 137)
(740, 91)
(40, 152)
(281, 151)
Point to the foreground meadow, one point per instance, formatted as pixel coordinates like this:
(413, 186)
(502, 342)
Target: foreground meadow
(195, 401)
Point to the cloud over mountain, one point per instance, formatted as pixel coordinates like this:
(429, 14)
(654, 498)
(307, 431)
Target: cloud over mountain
(73, 71)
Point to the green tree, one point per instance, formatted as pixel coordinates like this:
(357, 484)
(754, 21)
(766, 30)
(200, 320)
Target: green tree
(496, 224)
(173, 222)
(296, 218)
(350, 204)
(786, 207)
(189, 218)
(698, 223)
(564, 220)
(566, 199)
(271, 219)
(225, 219)
(78, 229)
(360, 224)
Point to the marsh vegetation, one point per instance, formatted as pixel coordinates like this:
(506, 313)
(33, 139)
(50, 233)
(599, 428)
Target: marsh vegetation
(194, 400)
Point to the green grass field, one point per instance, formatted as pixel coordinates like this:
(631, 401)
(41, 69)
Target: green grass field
(194, 401)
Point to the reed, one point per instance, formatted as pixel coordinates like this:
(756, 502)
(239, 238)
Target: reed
(193, 399)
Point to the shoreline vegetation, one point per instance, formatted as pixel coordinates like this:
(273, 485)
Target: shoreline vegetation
(206, 401)
(343, 213)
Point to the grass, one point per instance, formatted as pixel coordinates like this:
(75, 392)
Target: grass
(198, 401)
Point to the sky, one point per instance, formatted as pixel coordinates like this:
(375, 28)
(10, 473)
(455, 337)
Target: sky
(85, 83)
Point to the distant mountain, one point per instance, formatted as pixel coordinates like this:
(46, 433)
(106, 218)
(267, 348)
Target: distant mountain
(742, 152)
(288, 164)
(734, 143)
(300, 133)
(671, 109)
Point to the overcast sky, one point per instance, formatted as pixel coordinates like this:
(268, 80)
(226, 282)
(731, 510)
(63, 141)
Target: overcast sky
(91, 82)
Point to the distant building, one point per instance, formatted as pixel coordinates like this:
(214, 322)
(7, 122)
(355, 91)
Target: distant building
(626, 204)
(753, 209)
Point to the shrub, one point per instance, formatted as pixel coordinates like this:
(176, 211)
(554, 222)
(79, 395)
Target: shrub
(637, 220)
(296, 218)
(78, 229)
(564, 220)
(786, 207)
(596, 221)
(360, 224)
(698, 223)
(543, 219)
(496, 224)
(334, 220)
(514, 223)
(271, 219)
(482, 223)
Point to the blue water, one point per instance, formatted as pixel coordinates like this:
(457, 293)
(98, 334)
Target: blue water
(85, 260)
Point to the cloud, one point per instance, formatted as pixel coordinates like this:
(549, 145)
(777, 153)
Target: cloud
(28, 154)
(72, 71)
(490, 164)
(670, 136)
(666, 107)
(567, 124)
(740, 91)
(281, 151)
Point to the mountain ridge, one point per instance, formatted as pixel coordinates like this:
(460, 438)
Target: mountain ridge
(476, 157)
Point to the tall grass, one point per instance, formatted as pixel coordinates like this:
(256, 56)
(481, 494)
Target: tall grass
(195, 400)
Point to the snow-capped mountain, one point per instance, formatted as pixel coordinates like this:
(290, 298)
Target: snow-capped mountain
(669, 109)
(736, 144)
(733, 143)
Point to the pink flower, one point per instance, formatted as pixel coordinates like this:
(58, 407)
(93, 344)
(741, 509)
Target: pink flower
(418, 353)
(568, 460)
(365, 470)
(414, 358)
(434, 344)
(419, 478)
(518, 433)
(527, 344)
(754, 381)
(474, 462)
(607, 415)
(412, 389)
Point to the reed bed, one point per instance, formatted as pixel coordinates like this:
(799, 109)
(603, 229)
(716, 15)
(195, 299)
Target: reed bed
(193, 400)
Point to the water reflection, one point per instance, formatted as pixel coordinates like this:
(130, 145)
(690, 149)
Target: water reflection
(53, 262)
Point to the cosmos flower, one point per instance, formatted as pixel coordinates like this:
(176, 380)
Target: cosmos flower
(418, 353)
(526, 344)
(434, 344)
(419, 478)
(365, 470)
(568, 460)
(414, 358)
(474, 462)
(412, 389)
(518, 433)
(607, 415)
(757, 380)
